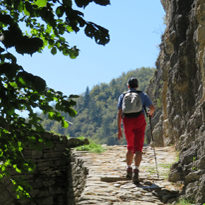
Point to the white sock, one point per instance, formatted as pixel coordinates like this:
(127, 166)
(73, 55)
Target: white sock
(129, 166)
(136, 167)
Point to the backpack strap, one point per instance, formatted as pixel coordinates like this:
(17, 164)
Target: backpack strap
(132, 91)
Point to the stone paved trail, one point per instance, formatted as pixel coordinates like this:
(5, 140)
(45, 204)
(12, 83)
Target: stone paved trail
(106, 182)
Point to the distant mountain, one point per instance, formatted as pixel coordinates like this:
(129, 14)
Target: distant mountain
(97, 109)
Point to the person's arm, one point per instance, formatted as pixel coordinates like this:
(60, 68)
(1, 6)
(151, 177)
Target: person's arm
(119, 119)
(151, 110)
(148, 103)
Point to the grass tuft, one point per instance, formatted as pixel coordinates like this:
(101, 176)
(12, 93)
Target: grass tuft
(183, 202)
(91, 147)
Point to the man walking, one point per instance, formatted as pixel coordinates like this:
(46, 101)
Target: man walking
(131, 110)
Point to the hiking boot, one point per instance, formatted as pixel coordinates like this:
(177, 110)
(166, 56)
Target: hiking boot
(135, 178)
(129, 173)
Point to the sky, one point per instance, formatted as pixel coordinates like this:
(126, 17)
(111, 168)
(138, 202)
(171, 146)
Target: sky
(135, 28)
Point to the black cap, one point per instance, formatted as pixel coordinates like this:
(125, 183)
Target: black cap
(133, 82)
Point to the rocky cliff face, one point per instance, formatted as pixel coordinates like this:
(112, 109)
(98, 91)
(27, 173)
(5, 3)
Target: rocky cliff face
(180, 90)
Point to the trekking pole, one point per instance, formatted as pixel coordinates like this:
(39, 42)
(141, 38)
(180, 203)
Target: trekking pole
(155, 156)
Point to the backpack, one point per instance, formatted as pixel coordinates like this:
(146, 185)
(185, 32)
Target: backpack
(132, 104)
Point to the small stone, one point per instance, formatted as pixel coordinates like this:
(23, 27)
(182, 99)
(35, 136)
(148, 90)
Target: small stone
(191, 177)
(117, 185)
(128, 186)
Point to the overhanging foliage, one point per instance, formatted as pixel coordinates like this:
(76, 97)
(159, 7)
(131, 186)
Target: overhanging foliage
(29, 26)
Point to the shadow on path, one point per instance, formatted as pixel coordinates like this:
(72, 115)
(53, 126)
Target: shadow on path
(163, 194)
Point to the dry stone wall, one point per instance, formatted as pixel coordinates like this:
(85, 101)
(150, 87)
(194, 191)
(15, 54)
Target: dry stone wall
(179, 84)
(59, 177)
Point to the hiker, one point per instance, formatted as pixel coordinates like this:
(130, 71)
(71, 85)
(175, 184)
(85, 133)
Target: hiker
(131, 110)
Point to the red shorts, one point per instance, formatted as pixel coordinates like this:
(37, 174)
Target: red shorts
(134, 129)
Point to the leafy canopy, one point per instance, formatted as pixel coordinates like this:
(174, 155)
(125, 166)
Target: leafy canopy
(29, 26)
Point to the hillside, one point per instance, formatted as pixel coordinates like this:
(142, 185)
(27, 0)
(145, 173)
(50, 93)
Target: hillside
(97, 109)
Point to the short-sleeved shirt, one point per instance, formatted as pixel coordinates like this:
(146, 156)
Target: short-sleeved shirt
(144, 97)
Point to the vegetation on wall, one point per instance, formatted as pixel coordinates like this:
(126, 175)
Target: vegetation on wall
(97, 109)
(91, 147)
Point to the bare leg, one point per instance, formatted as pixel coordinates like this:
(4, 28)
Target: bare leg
(138, 158)
(129, 157)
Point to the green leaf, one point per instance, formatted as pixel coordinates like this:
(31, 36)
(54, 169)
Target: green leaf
(13, 84)
(40, 140)
(74, 52)
(16, 168)
(1, 153)
(10, 111)
(72, 112)
(65, 52)
(48, 30)
(102, 2)
(21, 80)
(60, 11)
(13, 182)
(20, 148)
(20, 6)
(41, 3)
(72, 55)
(3, 168)
(67, 3)
(20, 188)
(51, 114)
(54, 50)
(74, 96)
(81, 3)
(30, 169)
(26, 12)
(7, 163)
(65, 124)
(69, 29)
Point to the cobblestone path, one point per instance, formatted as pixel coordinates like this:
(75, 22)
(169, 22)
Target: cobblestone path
(106, 182)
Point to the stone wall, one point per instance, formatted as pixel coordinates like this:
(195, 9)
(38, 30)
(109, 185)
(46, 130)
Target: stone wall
(59, 177)
(179, 84)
